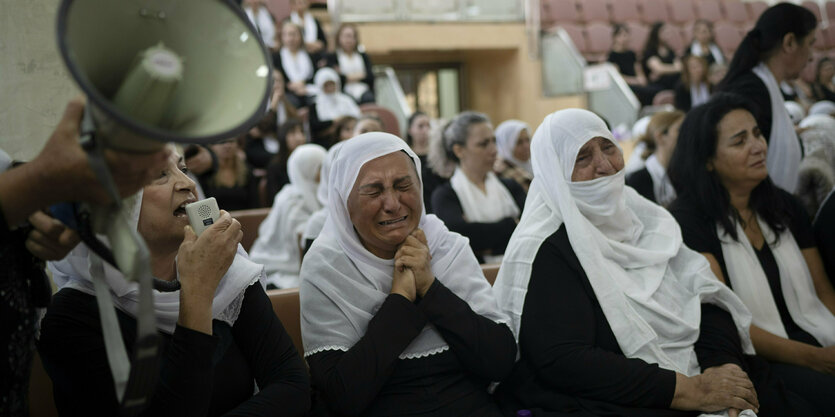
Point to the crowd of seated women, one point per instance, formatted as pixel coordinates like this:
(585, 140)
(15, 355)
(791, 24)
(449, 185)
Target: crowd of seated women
(605, 304)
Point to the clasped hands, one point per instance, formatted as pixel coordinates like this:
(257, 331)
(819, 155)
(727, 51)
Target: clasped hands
(412, 267)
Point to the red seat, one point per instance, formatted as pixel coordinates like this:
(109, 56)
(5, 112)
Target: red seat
(625, 11)
(638, 34)
(599, 41)
(727, 36)
(830, 11)
(557, 12)
(821, 39)
(287, 307)
(814, 8)
(672, 35)
(575, 32)
(828, 37)
(594, 11)
(756, 8)
(390, 123)
(681, 11)
(280, 9)
(654, 11)
(736, 12)
(250, 220)
(709, 10)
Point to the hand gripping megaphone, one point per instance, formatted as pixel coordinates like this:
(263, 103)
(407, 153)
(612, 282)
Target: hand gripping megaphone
(153, 71)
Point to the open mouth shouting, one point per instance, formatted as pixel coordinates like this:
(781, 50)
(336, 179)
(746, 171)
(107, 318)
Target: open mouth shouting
(181, 209)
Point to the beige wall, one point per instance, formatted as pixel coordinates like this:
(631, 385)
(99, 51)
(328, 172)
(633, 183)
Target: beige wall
(500, 78)
(34, 85)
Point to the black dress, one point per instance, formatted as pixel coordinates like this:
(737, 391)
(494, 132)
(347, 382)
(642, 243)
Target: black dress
(370, 380)
(667, 81)
(483, 236)
(571, 363)
(200, 374)
(625, 61)
(239, 197)
(296, 100)
(700, 234)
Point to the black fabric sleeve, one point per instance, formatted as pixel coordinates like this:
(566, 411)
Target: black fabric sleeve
(800, 224)
(641, 181)
(256, 154)
(351, 380)
(485, 348)
(560, 336)
(718, 342)
(279, 370)
(317, 126)
(483, 236)
(71, 332)
(696, 230)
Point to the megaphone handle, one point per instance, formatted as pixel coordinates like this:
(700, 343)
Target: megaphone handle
(95, 156)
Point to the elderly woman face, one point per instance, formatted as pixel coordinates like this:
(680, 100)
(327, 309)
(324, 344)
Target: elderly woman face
(162, 216)
(599, 157)
(385, 205)
(741, 151)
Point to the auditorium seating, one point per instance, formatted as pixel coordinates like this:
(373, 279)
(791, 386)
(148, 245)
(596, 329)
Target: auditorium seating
(250, 220)
(390, 122)
(287, 308)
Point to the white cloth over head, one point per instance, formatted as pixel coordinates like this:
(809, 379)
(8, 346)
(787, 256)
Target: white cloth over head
(699, 94)
(277, 245)
(331, 106)
(297, 66)
(795, 110)
(74, 272)
(751, 285)
(823, 107)
(317, 220)
(507, 135)
(784, 151)
(343, 284)
(650, 286)
(310, 30)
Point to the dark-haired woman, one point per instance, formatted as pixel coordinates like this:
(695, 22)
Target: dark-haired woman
(775, 50)
(660, 138)
(475, 202)
(824, 86)
(660, 63)
(353, 66)
(290, 136)
(417, 137)
(694, 87)
(703, 44)
(627, 62)
(759, 241)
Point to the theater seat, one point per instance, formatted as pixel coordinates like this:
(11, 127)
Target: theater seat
(490, 271)
(625, 11)
(814, 8)
(41, 402)
(250, 220)
(287, 308)
(654, 11)
(390, 123)
(709, 10)
(756, 8)
(736, 12)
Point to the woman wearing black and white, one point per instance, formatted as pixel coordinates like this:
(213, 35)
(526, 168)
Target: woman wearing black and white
(354, 66)
(296, 65)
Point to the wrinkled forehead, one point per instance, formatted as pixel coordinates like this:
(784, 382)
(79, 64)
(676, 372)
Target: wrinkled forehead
(397, 162)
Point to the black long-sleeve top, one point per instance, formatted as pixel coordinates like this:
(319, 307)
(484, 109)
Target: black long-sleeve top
(570, 358)
(483, 236)
(200, 374)
(641, 181)
(370, 379)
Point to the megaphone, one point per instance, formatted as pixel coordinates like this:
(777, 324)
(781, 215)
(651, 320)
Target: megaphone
(156, 71)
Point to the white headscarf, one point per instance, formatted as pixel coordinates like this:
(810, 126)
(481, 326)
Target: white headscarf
(696, 49)
(825, 107)
(488, 206)
(310, 30)
(74, 272)
(263, 22)
(343, 284)
(636, 161)
(506, 136)
(796, 112)
(784, 151)
(277, 246)
(334, 105)
(317, 220)
(649, 285)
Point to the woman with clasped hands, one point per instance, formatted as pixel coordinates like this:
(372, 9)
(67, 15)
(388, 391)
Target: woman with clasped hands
(397, 317)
